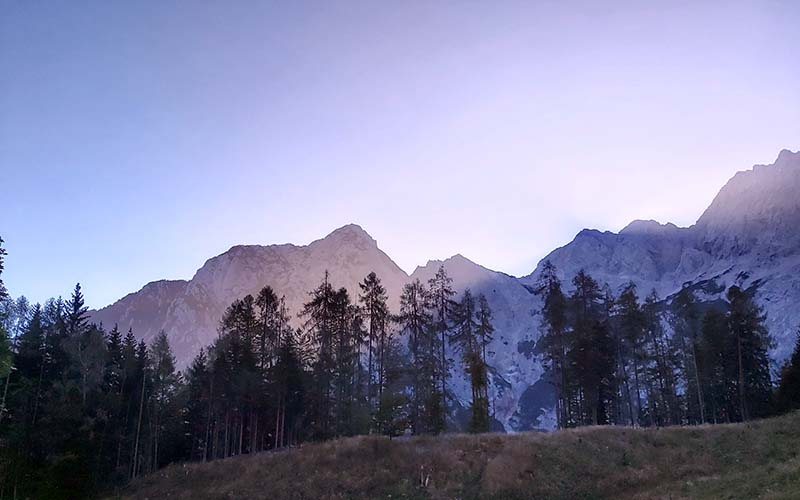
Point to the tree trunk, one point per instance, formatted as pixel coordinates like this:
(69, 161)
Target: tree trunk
(138, 430)
(742, 405)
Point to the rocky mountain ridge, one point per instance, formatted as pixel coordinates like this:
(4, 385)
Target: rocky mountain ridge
(749, 235)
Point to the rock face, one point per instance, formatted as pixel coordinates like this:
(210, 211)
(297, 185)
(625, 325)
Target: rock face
(749, 236)
(189, 312)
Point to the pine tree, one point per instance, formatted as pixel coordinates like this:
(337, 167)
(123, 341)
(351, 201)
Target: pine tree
(5, 343)
(746, 323)
(718, 368)
(468, 339)
(198, 406)
(441, 301)
(485, 329)
(320, 317)
(788, 394)
(269, 324)
(164, 389)
(3, 253)
(662, 364)
(685, 321)
(289, 379)
(376, 314)
(631, 320)
(585, 311)
(554, 339)
(423, 345)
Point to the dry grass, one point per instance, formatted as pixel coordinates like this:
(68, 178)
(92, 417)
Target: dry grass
(743, 461)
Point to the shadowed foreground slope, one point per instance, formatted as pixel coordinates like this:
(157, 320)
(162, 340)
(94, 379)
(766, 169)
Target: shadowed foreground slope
(738, 461)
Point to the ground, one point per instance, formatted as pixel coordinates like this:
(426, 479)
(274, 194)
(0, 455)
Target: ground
(759, 459)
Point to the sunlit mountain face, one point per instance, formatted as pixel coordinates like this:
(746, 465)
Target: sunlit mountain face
(747, 237)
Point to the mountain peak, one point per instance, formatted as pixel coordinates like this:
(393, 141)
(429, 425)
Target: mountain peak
(640, 226)
(786, 156)
(351, 234)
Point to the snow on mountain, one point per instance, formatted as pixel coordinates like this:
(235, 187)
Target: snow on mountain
(749, 236)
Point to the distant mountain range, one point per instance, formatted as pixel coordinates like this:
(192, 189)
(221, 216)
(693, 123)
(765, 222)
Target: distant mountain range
(749, 236)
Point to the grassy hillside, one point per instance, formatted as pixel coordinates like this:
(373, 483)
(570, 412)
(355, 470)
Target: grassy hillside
(740, 461)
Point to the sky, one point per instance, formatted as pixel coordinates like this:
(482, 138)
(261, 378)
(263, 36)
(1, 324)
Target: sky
(138, 139)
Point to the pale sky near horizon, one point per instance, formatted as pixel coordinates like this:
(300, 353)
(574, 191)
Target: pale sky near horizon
(139, 139)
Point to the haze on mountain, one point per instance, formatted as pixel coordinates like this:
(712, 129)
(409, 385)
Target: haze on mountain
(749, 236)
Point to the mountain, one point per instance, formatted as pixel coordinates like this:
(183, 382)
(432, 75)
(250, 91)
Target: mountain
(513, 367)
(189, 311)
(749, 236)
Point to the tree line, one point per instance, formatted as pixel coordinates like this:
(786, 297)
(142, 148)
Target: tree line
(620, 360)
(86, 409)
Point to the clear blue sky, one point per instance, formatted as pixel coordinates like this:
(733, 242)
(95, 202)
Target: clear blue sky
(138, 139)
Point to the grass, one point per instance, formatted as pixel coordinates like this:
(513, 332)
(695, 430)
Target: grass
(756, 460)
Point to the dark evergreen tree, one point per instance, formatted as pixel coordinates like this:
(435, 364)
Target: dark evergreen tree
(746, 323)
(376, 315)
(788, 394)
(441, 302)
(685, 320)
(320, 315)
(554, 340)
(425, 412)
(662, 365)
(631, 324)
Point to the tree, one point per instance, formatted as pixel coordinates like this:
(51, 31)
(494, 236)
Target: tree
(320, 316)
(631, 337)
(554, 341)
(3, 253)
(392, 414)
(289, 380)
(415, 322)
(441, 293)
(685, 321)
(270, 321)
(466, 339)
(85, 345)
(746, 323)
(198, 407)
(485, 329)
(376, 314)
(788, 395)
(717, 357)
(662, 364)
(166, 383)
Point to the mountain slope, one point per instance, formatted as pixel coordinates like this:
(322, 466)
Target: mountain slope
(190, 311)
(749, 236)
(512, 369)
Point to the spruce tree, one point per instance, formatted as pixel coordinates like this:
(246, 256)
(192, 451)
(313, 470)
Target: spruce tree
(746, 323)
(788, 394)
(585, 304)
(554, 340)
(662, 364)
(376, 314)
(320, 315)
(630, 321)
(441, 301)
(685, 320)
(415, 322)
